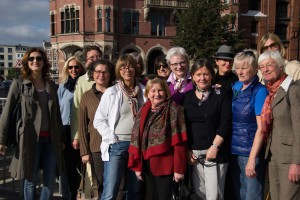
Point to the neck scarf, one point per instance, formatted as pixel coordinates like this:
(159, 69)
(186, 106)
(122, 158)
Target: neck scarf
(131, 96)
(266, 113)
(70, 83)
(163, 130)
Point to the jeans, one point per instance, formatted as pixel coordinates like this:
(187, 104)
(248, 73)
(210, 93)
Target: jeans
(114, 170)
(247, 188)
(44, 155)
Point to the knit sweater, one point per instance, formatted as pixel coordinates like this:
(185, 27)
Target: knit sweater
(89, 137)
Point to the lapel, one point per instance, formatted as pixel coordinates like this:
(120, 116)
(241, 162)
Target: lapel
(278, 97)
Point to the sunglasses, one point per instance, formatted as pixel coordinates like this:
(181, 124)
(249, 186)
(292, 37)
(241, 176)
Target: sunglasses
(249, 53)
(38, 58)
(71, 67)
(163, 66)
(274, 44)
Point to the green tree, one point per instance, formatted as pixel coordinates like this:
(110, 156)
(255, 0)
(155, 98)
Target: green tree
(201, 29)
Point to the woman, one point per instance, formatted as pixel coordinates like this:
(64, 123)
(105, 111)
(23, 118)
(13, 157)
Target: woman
(140, 64)
(224, 59)
(102, 71)
(159, 141)
(280, 124)
(114, 120)
(247, 162)
(208, 119)
(271, 42)
(40, 142)
(161, 66)
(72, 69)
(179, 80)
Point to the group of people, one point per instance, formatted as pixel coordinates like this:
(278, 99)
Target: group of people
(225, 125)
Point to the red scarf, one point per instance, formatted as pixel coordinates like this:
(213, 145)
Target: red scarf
(266, 113)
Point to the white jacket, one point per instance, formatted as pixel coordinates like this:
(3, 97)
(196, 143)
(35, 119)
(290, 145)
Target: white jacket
(107, 113)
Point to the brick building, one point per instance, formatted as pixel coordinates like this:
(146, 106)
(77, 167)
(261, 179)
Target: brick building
(147, 26)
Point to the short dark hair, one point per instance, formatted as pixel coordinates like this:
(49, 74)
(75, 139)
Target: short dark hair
(90, 48)
(110, 66)
(203, 63)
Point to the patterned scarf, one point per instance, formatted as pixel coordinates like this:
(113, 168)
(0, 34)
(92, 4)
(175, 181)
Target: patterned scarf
(163, 130)
(131, 96)
(266, 113)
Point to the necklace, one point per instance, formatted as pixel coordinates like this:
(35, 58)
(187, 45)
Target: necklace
(204, 95)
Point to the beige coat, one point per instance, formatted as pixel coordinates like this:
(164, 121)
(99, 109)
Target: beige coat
(23, 159)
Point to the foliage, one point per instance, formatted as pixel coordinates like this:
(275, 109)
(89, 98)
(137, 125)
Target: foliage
(201, 29)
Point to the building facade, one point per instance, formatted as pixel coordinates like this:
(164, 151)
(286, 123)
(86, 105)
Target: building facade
(148, 26)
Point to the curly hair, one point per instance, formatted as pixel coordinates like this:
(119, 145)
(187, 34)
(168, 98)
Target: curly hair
(26, 72)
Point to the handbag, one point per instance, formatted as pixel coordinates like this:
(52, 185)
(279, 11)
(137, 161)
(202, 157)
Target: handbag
(88, 188)
(15, 119)
(180, 191)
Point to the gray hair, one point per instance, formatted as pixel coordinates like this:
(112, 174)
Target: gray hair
(177, 51)
(275, 55)
(248, 55)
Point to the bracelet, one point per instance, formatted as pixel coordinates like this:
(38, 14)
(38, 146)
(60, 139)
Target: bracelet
(216, 146)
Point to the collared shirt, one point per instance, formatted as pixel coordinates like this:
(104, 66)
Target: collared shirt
(172, 79)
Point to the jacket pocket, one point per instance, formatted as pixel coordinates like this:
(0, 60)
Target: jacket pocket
(286, 149)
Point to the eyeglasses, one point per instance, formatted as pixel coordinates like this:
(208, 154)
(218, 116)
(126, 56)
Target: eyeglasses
(177, 64)
(71, 67)
(38, 58)
(129, 67)
(101, 72)
(161, 66)
(93, 58)
(271, 46)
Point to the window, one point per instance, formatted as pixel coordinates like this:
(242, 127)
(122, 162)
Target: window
(226, 1)
(52, 24)
(10, 57)
(254, 4)
(69, 20)
(1, 49)
(1, 64)
(280, 30)
(10, 64)
(9, 50)
(131, 22)
(158, 23)
(99, 20)
(115, 21)
(107, 19)
(1, 57)
(254, 26)
(281, 10)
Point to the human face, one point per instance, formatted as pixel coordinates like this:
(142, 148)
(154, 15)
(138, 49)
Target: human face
(179, 66)
(270, 70)
(245, 72)
(91, 56)
(74, 69)
(101, 75)
(224, 66)
(36, 65)
(163, 70)
(271, 45)
(156, 95)
(203, 78)
(127, 73)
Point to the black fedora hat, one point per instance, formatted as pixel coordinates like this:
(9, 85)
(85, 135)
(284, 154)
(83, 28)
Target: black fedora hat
(224, 52)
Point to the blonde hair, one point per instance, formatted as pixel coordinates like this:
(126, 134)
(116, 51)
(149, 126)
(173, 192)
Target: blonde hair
(159, 81)
(65, 72)
(126, 60)
(275, 38)
(250, 59)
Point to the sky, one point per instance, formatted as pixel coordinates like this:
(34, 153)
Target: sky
(24, 22)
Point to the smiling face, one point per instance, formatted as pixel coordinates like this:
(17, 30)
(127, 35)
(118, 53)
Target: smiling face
(74, 69)
(245, 72)
(224, 66)
(203, 78)
(127, 72)
(156, 95)
(179, 66)
(163, 70)
(271, 45)
(35, 62)
(91, 56)
(270, 70)
(101, 75)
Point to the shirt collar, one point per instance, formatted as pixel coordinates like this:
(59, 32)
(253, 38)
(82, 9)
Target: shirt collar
(172, 77)
(286, 83)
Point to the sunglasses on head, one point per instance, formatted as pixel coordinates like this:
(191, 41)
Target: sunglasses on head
(71, 67)
(249, 53)
(274, 44)
(162, 65)
(31, 59)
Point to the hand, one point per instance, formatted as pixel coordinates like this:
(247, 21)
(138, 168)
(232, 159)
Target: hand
(294, 173)
(139, 176)
(211, 153)
(75, 144)
(192, 159)
(250, 168)
(2, 149)
(178, 177)
(86, 159)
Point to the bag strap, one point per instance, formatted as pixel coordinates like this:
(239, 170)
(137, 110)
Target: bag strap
(20, 88)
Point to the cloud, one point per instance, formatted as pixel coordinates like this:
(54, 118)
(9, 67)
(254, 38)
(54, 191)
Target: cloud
(24, 22)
